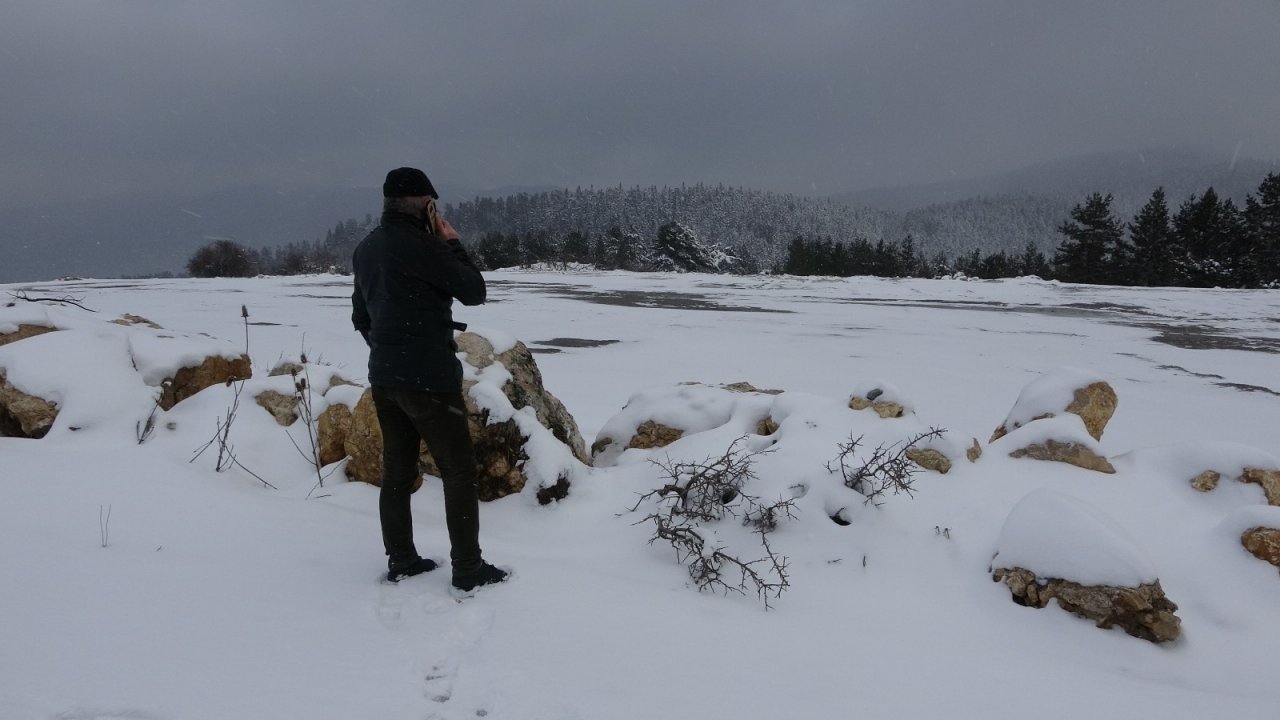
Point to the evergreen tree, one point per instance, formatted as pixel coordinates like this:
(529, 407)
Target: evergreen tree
(1093, 242)
(1153, 244)
(1213, 245)
(1262, 219)
(1033, 262)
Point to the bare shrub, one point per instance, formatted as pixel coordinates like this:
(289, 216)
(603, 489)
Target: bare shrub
(697, 495)
(887, 469)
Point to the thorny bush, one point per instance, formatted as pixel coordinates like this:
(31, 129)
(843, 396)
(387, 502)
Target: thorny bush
(695, 496)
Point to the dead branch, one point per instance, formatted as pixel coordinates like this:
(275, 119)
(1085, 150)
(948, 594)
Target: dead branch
(64, 299)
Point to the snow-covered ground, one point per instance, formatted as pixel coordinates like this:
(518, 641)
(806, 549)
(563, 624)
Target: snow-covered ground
(216, 597)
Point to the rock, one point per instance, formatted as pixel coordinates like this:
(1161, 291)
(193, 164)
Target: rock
(23, 415)
(23, 332)
(929, 459)
(1094, 403)
(286, 367)
(211, 371)
(883, 409)
(524, 389)
(338, 381)
(332, 428)
(130, 319)
(1263, 543)
(1206, 481)
(284, 408)
(974, 452)
(766, 426)
(746, 387)
(499, 446)
(1268, 479)
(363, 443)
(1143, 611)
(652, 434)
(1067, 452)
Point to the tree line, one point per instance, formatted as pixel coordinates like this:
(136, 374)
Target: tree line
(1208, 242)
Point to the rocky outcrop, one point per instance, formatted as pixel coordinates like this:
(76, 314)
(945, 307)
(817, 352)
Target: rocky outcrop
(1143, 611)
(23, 415)
(1071, 453)
(1094, 403)
(1268, 480)
(23, 332)
(284, 408)
(929, 459)
(1263, 543)
(213, 370)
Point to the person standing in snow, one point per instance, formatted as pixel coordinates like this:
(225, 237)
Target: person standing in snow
(408, 271)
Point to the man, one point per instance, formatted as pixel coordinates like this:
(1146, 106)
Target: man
(408, 272)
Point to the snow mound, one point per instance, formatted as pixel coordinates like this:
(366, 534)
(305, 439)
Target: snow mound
(1061, 537)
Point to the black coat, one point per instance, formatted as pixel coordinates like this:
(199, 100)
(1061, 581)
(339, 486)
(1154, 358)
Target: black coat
(406, 280)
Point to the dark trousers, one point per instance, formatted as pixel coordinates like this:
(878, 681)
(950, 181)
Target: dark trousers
(440, 419)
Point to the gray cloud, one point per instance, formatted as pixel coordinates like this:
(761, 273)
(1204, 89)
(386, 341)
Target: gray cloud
(132, 96)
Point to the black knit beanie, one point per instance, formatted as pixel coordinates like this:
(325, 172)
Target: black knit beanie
(408, 182)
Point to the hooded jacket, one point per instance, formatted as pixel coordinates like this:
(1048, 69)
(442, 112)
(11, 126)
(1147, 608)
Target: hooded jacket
(406, 280)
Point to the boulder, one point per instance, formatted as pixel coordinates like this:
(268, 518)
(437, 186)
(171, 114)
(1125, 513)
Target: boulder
(284, 408)
(499, 446)
(929, 459)
(767, 426)
(1068, 452)
(1094, 402)
(1142, 611)
(211, 371)
(332, 428)
(524, 389)
(23, 332)
(652, 434)
(1263, 543)
(974, 452)
(23, 415)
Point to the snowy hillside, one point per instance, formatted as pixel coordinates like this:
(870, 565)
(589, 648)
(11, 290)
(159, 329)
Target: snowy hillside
(141, 583)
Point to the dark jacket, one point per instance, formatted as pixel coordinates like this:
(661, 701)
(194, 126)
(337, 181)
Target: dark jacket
(406, 280)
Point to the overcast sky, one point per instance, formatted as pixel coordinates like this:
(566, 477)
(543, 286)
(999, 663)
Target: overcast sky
(140, 96)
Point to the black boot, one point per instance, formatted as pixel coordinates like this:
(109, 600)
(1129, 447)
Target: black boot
(396, 571)
(486, 575)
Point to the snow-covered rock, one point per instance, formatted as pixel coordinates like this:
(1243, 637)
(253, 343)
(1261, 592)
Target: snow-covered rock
(884, 398)
(1258, 529)
(1063, 390)
(1053, 546)
(1058, 439)
(659, 417)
